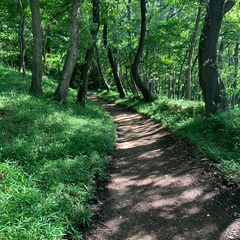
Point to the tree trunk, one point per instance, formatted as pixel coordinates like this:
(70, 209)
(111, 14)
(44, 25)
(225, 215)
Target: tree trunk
(134, 68)
(180, 76)
(105, 85)
(36, 84)
(213, 89)
(82, 92)
(22, 43)
(70, 62)
(112, 63)
(47, 33)
(236, 53)
(133, 85)
(188, 74)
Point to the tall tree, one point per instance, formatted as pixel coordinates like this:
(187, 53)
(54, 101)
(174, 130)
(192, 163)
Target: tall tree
(22, 42)
(36, 84)
(105, 84)
(212, 87)
(70, 62)
(188, 74)
(112, 62)
(134, 68)
(82, 92)
(236, 57)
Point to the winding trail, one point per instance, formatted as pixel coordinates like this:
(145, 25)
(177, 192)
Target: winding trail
(159, 190)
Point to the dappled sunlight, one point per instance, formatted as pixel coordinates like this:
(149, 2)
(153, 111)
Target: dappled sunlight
(232, 231)
(158, 189)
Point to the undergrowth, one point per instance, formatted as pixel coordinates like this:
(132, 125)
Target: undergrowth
(217, 137)
(51, 156)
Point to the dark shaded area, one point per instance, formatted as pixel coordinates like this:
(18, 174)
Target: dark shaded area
(160, 189)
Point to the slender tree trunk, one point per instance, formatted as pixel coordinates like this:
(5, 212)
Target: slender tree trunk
(70, 62)
(236, 54)
(133, 85)
(22, 42)
(112, 63)
(174, 83)
(105, 85)
(134, 68)
(180, 76)
(82, 92)
(47, 33)
(213, 89)
(188, 74)
(36, 84)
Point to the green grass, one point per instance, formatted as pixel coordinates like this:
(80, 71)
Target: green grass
(217, 137)
(51, 157)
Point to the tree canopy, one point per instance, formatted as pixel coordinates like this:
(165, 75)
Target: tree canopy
(169, 61)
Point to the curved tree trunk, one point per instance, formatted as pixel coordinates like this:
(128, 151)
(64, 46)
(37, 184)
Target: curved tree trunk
(70, 62)
(188, 75)
(112, 63)
(213, 89)
(22, 43)
(82, 92)
(36, 84)
(134, 68)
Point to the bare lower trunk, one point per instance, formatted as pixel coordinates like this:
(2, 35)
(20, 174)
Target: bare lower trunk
(180, 76)
(112, 63)
(22, 43)
(188, 74)
(36, 84)
(234, 97)
(105, 85)
(82, 92)
(134, 68)
(46, 40)
(213, 89)
(70, 62)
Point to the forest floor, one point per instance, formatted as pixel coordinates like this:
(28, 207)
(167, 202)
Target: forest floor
(160, 189)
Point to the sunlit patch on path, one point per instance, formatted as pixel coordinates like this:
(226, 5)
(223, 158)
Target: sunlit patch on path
(159, 191)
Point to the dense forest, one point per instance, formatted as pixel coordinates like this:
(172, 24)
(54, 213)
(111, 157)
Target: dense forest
(176, 61)
(182, 49)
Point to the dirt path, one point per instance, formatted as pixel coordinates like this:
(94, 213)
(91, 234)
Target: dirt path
(159, 189)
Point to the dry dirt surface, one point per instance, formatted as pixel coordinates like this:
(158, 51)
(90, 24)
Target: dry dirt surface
(159, 189)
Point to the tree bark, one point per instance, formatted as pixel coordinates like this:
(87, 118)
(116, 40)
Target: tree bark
(112, 63)
(36, 84)
(22, 42)
(188, 74)
(105, 85)
(212, 87)
(236, 57)
(82, 92)
(134, 68)
(70, 62)
(133, 85)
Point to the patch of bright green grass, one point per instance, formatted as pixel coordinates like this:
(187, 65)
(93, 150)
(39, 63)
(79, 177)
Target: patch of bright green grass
(51, 157)
(218, 137)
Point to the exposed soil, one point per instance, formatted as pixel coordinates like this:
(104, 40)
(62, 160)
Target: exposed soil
(160, 189)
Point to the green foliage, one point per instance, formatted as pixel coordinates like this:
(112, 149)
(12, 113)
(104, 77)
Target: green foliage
(51, 158)
(217, 137)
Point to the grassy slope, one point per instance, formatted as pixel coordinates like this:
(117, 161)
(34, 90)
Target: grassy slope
(50, 158)
(218, 137)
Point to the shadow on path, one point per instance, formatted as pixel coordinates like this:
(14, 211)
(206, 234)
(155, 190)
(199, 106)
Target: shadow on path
(159, 189)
